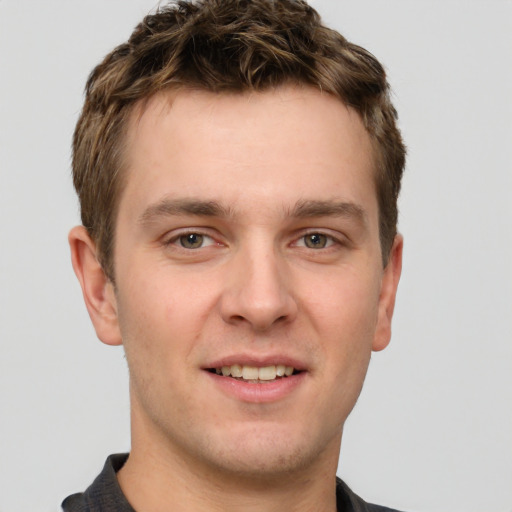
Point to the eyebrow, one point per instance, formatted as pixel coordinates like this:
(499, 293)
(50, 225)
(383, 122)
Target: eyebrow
(307, 209)
(303, 209)
(169, 207)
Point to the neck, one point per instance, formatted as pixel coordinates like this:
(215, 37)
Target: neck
(158, 478)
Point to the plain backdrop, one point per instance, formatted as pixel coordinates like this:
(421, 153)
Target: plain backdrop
(433, 428)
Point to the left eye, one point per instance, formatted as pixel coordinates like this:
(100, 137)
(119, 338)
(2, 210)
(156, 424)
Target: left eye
(316, 241)
(194, 240)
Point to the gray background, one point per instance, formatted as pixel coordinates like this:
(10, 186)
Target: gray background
(433, 428)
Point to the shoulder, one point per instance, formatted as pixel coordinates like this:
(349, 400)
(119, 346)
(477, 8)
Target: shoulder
(104, 494)
(378, 508)
(75, 503)
(349, 501)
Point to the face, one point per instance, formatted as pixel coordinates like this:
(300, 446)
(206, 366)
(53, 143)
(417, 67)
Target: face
(249, 283)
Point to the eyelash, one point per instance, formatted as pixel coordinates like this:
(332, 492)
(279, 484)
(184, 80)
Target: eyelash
(329, 239)
(175, 239)
(298, 242)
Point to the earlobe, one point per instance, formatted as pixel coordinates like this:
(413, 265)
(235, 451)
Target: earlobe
(97, 289)
(390, 279)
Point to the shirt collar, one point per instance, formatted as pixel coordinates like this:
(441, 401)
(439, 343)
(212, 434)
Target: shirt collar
(105, 494)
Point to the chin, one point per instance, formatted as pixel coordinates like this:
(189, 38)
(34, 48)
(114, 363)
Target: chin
(262, 454)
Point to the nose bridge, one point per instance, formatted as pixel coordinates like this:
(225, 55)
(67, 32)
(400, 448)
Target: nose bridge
(257, 288)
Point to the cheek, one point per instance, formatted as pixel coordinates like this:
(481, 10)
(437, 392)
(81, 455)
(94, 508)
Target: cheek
(345, 319)
(346, 306)
(161, 318)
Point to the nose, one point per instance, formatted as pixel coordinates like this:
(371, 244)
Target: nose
(258, 291)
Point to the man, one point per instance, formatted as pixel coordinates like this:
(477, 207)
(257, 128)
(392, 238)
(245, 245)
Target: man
(238, 166)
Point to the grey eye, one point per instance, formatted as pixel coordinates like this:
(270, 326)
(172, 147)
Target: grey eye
(191, 240)
(315, 241)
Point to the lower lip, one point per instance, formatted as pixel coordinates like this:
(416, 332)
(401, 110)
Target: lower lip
(265, 392)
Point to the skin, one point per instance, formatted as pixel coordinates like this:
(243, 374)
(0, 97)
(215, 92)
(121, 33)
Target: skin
(284, 168)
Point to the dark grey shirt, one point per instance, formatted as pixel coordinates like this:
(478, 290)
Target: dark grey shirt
(105, 495)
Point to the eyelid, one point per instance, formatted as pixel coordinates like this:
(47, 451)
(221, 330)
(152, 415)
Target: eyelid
(172, 238)
(334, 239)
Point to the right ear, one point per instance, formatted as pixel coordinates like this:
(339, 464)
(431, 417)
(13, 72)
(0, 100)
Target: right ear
(97, 288)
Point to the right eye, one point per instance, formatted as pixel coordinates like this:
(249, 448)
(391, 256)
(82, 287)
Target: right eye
(316, 241)
(193, 240)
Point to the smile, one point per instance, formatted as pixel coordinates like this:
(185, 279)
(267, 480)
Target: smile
(257, 381)
(255, 374)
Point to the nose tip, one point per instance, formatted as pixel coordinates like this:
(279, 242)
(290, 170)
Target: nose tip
(258, 293)
(260, 315)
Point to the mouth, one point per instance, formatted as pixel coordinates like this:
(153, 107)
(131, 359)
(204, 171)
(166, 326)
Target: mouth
(255, 374)
(257, 380)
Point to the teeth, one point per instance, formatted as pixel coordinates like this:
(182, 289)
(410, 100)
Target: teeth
(280, 369)
(236, 370)
(255, 374)
(250, 373)
(267, 373)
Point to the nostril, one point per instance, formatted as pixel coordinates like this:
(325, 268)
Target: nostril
(259, 303)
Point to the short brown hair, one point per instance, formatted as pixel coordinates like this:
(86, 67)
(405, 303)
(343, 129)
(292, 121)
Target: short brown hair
(226, 45)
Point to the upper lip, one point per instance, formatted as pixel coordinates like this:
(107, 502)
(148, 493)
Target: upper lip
(257, 360)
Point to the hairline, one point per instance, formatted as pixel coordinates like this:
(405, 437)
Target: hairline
(133, 112)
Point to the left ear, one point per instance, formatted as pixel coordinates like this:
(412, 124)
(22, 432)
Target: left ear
(389, 286)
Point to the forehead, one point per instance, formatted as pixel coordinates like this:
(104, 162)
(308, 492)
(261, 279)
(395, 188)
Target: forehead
(286, 144)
